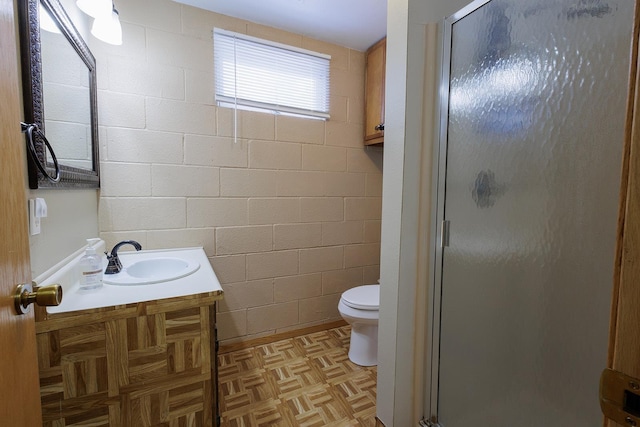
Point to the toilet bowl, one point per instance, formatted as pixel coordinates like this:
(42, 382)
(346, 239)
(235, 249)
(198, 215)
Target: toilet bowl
(359, 307)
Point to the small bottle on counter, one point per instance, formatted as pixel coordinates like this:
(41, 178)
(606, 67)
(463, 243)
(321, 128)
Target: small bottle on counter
(91, 267)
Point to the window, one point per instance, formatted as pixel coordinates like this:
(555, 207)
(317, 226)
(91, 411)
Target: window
(260, 75)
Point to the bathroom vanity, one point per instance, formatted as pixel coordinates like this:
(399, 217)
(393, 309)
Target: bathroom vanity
(136, 355)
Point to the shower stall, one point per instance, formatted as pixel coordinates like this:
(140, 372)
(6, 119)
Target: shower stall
(529, 164)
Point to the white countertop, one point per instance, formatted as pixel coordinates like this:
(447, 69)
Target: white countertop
(203, 280)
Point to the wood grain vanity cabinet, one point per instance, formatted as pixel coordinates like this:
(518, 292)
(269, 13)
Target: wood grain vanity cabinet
(144, 364)
(374, 93)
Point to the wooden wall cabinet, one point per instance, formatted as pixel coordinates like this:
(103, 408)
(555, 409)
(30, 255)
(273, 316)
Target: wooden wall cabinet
(374, 93)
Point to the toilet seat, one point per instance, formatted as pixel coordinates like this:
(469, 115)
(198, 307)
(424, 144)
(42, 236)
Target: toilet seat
(365, 297)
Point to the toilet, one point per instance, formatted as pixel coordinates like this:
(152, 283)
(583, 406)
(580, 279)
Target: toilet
(359, 307)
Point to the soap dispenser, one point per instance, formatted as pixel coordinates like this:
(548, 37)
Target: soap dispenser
(91, 267)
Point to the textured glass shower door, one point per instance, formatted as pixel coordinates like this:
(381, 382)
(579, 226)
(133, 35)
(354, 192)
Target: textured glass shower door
(536, 109)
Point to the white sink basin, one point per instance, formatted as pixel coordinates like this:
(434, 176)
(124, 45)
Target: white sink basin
(127, 289)
(152, 270)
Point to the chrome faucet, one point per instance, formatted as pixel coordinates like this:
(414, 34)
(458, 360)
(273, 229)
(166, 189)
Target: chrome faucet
(115, 266)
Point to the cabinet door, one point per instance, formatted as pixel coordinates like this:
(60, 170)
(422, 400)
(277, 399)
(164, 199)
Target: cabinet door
(374, 93)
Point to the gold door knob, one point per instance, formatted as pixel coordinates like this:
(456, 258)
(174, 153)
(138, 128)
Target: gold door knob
(45, 296)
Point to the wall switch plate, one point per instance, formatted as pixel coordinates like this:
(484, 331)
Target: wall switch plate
(34, 220)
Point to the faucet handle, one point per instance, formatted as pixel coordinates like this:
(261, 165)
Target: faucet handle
(114, 266)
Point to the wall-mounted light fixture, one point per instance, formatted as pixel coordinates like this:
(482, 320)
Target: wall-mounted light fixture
(106, 23)
(108, 28)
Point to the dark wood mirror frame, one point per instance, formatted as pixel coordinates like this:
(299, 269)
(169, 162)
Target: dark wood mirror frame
(30, 50)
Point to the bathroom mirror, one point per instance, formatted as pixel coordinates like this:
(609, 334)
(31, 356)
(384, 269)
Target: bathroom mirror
(59, 91)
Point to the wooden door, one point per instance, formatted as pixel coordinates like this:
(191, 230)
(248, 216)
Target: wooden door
(624, 337)
(19, 387)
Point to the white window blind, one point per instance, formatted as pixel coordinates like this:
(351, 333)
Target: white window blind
(258, 74)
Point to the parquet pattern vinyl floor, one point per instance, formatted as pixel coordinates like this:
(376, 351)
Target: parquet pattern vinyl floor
(303, 381)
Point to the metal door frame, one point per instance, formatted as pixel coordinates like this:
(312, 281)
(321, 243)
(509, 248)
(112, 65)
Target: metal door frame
(432, 367)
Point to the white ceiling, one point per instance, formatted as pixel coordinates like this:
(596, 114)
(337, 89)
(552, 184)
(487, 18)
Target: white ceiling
(352, 23)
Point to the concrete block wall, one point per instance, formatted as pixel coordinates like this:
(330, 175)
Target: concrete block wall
(289, 214)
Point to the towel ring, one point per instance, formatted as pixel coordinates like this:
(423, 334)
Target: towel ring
(29, 129)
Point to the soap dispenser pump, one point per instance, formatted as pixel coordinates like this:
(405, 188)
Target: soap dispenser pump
(91, 267)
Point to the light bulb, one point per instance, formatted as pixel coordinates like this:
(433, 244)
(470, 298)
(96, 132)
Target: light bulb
(95, 8)
(108, 29)
(46, 21)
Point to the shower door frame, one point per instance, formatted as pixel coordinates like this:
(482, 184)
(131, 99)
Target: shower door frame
(623, 344)
(439, 228)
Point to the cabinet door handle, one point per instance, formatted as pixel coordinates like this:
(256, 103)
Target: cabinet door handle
(379, 127)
